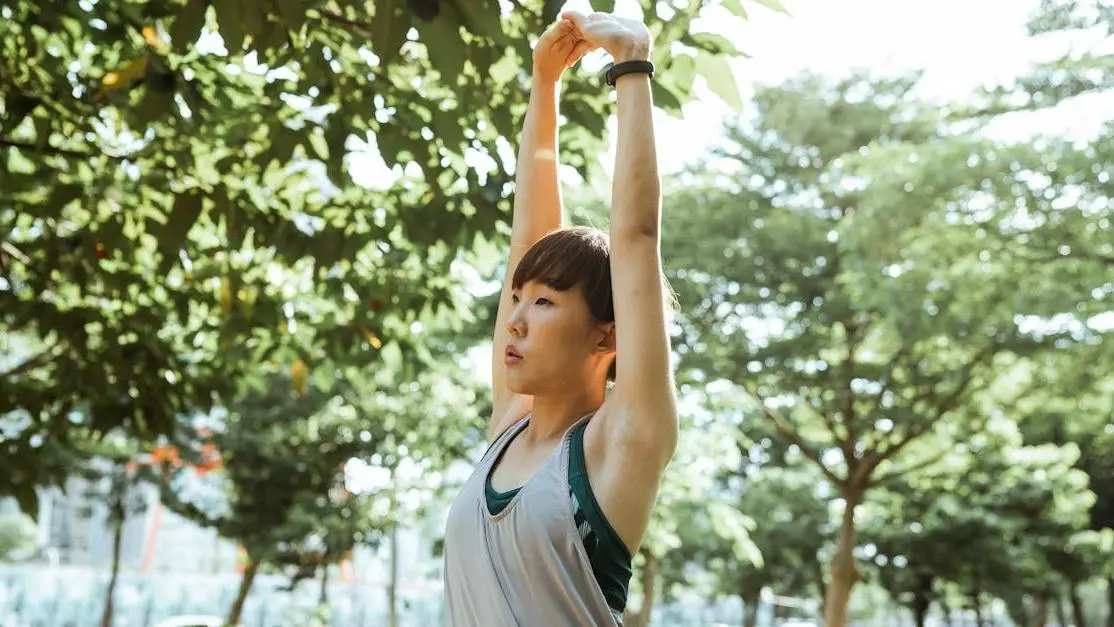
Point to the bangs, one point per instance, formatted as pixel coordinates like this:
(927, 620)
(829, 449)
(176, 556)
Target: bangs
(569, 258)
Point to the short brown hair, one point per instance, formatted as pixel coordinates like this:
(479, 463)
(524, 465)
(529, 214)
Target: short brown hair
(571, 257)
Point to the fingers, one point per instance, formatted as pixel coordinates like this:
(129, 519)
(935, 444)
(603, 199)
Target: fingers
(576, 17)
(582, 48)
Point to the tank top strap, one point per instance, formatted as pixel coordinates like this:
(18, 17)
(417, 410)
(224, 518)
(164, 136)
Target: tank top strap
(563, 452)
(504, 438)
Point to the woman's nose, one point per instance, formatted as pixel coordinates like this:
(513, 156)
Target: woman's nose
(516, 326)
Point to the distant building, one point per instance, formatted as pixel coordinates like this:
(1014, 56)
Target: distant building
(74, 531)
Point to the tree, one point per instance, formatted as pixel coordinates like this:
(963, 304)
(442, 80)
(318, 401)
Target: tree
(114, 481)
(1074, 408)
(991, 525)
(854, 300)
(690, 508)
(1075, 73)
(784, 502)
(295, 463)
(18, 537)
(169, 171)
(282, 496)
(790, 528)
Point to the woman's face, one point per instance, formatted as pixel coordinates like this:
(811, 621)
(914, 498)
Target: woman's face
(554, 346)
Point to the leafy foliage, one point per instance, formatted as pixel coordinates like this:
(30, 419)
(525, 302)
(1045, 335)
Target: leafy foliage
(1001, 522)
(191, 188)
(863, 304)
(18, 536)
(300, 475)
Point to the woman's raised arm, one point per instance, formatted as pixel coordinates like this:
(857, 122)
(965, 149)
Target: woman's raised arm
(642, 407)
(537, 193)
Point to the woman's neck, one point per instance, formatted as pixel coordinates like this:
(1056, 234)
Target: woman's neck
(553, 415)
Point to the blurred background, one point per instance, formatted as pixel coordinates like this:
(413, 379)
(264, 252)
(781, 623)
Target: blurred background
(249, 255)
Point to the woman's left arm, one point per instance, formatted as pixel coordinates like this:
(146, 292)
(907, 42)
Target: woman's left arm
(643, 411)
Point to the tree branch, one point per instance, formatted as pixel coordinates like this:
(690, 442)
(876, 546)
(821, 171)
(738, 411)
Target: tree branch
(901, 472)
(854, 335)
(340, 19)
(943, 404)
(1105, 260)
(47, 149)
(43, 358)
(786, 431)
(895, 448)
(888, 381)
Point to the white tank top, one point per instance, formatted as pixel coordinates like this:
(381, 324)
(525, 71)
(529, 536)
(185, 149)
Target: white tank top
(525, 566)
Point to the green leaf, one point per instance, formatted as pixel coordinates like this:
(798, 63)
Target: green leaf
(681, 72)
(61, 195)
(185, 29)
(710, 42)
(230, 25)
(389, 26)
(319, 145)
(721, 80)
(444, 46)
(584, 116)
(183, 214)
(774, 5)
(665, 98)
(28, 499)
(736, 7)
(479, 18)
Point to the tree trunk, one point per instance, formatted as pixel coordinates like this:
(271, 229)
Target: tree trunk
(1077, 615)
(242, 594)
(920, 613)
(750, 609)
(843, 570)
(648, 578)
(392, 584)
(976, 604)
(945, 611)
(821, 585)
(323, 595)
(117, 515)
(1061, 611)
(1040, 611)
(1110, 601)
(922, 599)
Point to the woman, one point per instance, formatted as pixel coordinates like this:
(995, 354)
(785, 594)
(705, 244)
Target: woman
(544, 530)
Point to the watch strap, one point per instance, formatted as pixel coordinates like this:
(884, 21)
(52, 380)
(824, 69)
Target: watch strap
(615, 70)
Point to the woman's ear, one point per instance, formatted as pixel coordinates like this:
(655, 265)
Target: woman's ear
(606, 341)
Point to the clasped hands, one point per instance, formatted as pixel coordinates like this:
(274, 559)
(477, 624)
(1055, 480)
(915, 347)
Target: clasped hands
(576, 34)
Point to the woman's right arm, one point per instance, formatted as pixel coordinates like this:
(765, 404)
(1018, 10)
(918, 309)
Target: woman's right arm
(537, 195)
(537, 211)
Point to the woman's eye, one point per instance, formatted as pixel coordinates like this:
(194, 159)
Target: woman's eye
(544, 301)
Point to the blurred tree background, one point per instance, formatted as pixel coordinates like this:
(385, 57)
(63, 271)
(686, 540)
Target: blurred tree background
(247, 249)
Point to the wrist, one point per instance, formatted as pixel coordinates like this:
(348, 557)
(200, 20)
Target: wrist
(633, 51)
(542, 84)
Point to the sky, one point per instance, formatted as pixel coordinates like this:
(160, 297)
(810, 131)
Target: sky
(958, 44)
